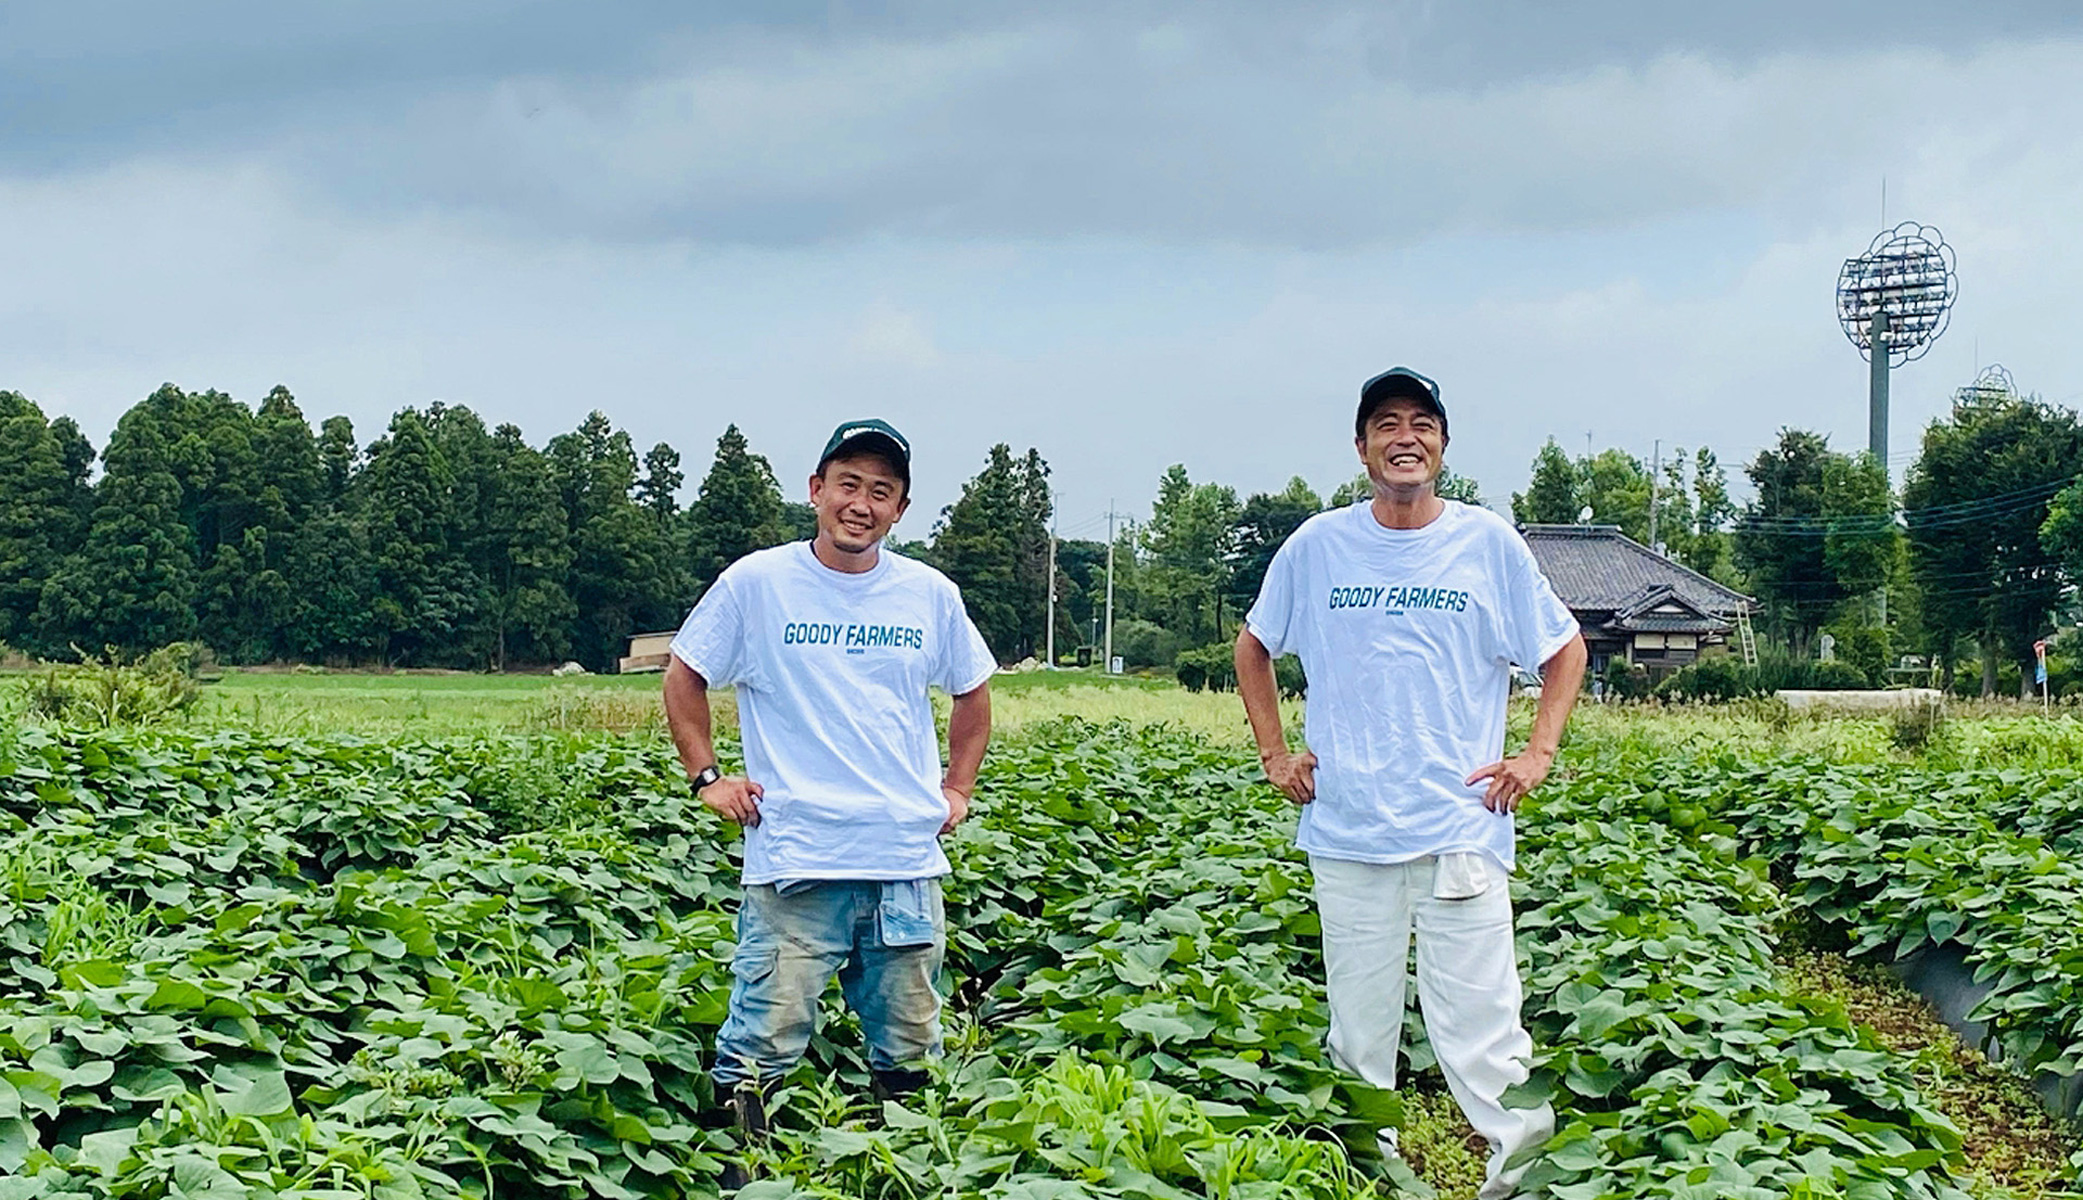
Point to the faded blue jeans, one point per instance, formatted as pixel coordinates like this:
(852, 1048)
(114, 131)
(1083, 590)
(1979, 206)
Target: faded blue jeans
(789, 946)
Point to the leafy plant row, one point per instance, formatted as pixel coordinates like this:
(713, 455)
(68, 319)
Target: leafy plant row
(233, 966)
(1174, 936)
(1903, 859)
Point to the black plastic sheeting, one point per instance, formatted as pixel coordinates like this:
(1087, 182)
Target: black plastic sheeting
(1940, 975)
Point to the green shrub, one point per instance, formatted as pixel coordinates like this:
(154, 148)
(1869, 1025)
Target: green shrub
(1779, 669)
(112, 690)
(1838, 676)
(1864, 648)
(1718, 680)
(1626, 680)
(1140, 643)
(1208, 668)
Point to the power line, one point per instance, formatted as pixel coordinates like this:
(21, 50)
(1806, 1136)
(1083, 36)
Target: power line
(1937, 516)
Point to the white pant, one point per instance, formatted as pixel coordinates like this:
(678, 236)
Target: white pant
(1468, 988)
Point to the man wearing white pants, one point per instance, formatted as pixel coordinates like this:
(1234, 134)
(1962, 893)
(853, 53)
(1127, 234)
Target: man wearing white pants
(1408, 612)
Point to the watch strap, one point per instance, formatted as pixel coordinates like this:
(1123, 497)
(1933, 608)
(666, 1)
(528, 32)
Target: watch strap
(706, 776)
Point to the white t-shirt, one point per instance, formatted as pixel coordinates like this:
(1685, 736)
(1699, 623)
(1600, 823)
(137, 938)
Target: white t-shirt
(1408, 637)
(832, 670)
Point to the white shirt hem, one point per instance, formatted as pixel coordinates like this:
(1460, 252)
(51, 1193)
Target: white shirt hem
(872, 875)
(1403, 856)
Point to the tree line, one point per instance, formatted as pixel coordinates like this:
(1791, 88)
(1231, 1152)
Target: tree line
(1973, 562)
(444, 543)
(439, 543)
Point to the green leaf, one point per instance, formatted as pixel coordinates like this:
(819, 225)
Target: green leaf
(177, 994)
(591, 1061)
(1157, 1022)
(93, 972)
(264, 1096)
(108, 1150)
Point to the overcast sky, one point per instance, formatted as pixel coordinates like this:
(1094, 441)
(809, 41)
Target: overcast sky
(1128, 234)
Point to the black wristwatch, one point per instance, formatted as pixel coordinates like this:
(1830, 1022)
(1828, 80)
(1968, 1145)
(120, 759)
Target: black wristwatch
(706, 776)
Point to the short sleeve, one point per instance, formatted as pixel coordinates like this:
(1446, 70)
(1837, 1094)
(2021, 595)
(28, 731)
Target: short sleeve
(963, 660)
(1272, 619)
(712, 639)
(1537, 624)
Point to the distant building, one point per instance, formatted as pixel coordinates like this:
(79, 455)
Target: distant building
(1632, 601)
(647, 652)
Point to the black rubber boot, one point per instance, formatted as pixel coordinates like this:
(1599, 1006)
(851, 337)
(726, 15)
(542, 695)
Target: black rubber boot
(747, 1106)
(897, 1083)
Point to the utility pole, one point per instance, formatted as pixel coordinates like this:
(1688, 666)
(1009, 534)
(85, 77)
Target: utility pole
(1049, 637)
(1656, 464)
(1106, 666)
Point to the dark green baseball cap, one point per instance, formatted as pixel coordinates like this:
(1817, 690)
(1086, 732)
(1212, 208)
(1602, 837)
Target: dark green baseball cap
(875, 435)
(1394, 382)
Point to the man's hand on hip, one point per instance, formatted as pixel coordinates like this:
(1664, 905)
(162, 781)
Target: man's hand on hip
(1293, 774)
(957, 807)
(1511, 778)
(734, 799)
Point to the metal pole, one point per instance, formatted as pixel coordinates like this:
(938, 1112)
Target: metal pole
(1877, 392)
(1656, 463)
(1106, 667)
(1050, 636)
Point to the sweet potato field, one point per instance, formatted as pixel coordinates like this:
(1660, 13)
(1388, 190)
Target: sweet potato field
(244, 966)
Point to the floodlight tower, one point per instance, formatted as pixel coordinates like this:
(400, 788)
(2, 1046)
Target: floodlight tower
(1992, 386)
(1894, 301)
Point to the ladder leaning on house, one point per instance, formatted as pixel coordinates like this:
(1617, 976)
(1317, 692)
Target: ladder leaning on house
(1747, 636)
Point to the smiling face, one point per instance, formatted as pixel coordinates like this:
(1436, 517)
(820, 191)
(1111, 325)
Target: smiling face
(1402, 445)
(857, 499)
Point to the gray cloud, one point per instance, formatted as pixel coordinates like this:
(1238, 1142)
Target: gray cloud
(1128, 236)
(1311, 125)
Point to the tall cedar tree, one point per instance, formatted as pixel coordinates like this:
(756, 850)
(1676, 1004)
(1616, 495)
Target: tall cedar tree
(333, 582)
(338, 458)
(466, 451)
(1988, 576)
(133, 583)
(332, 576)
(1712, 512)
(986, 542)
(423, 587)
(270, 463)
(1037, 509)
(1817, 534)
(42, 518)
(1190, 538)
(1263, 526)
(624, 573)
(659, 490)
(527, 555)
(1554, 496)
(738, 510)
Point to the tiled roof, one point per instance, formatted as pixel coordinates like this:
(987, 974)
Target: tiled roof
(1596, 567)
(1670, 623)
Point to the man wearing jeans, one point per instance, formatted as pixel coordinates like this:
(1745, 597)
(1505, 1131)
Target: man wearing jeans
(1408, 612)
(832, 644)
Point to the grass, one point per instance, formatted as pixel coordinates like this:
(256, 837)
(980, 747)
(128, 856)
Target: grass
(440, 703)
(379, 704)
